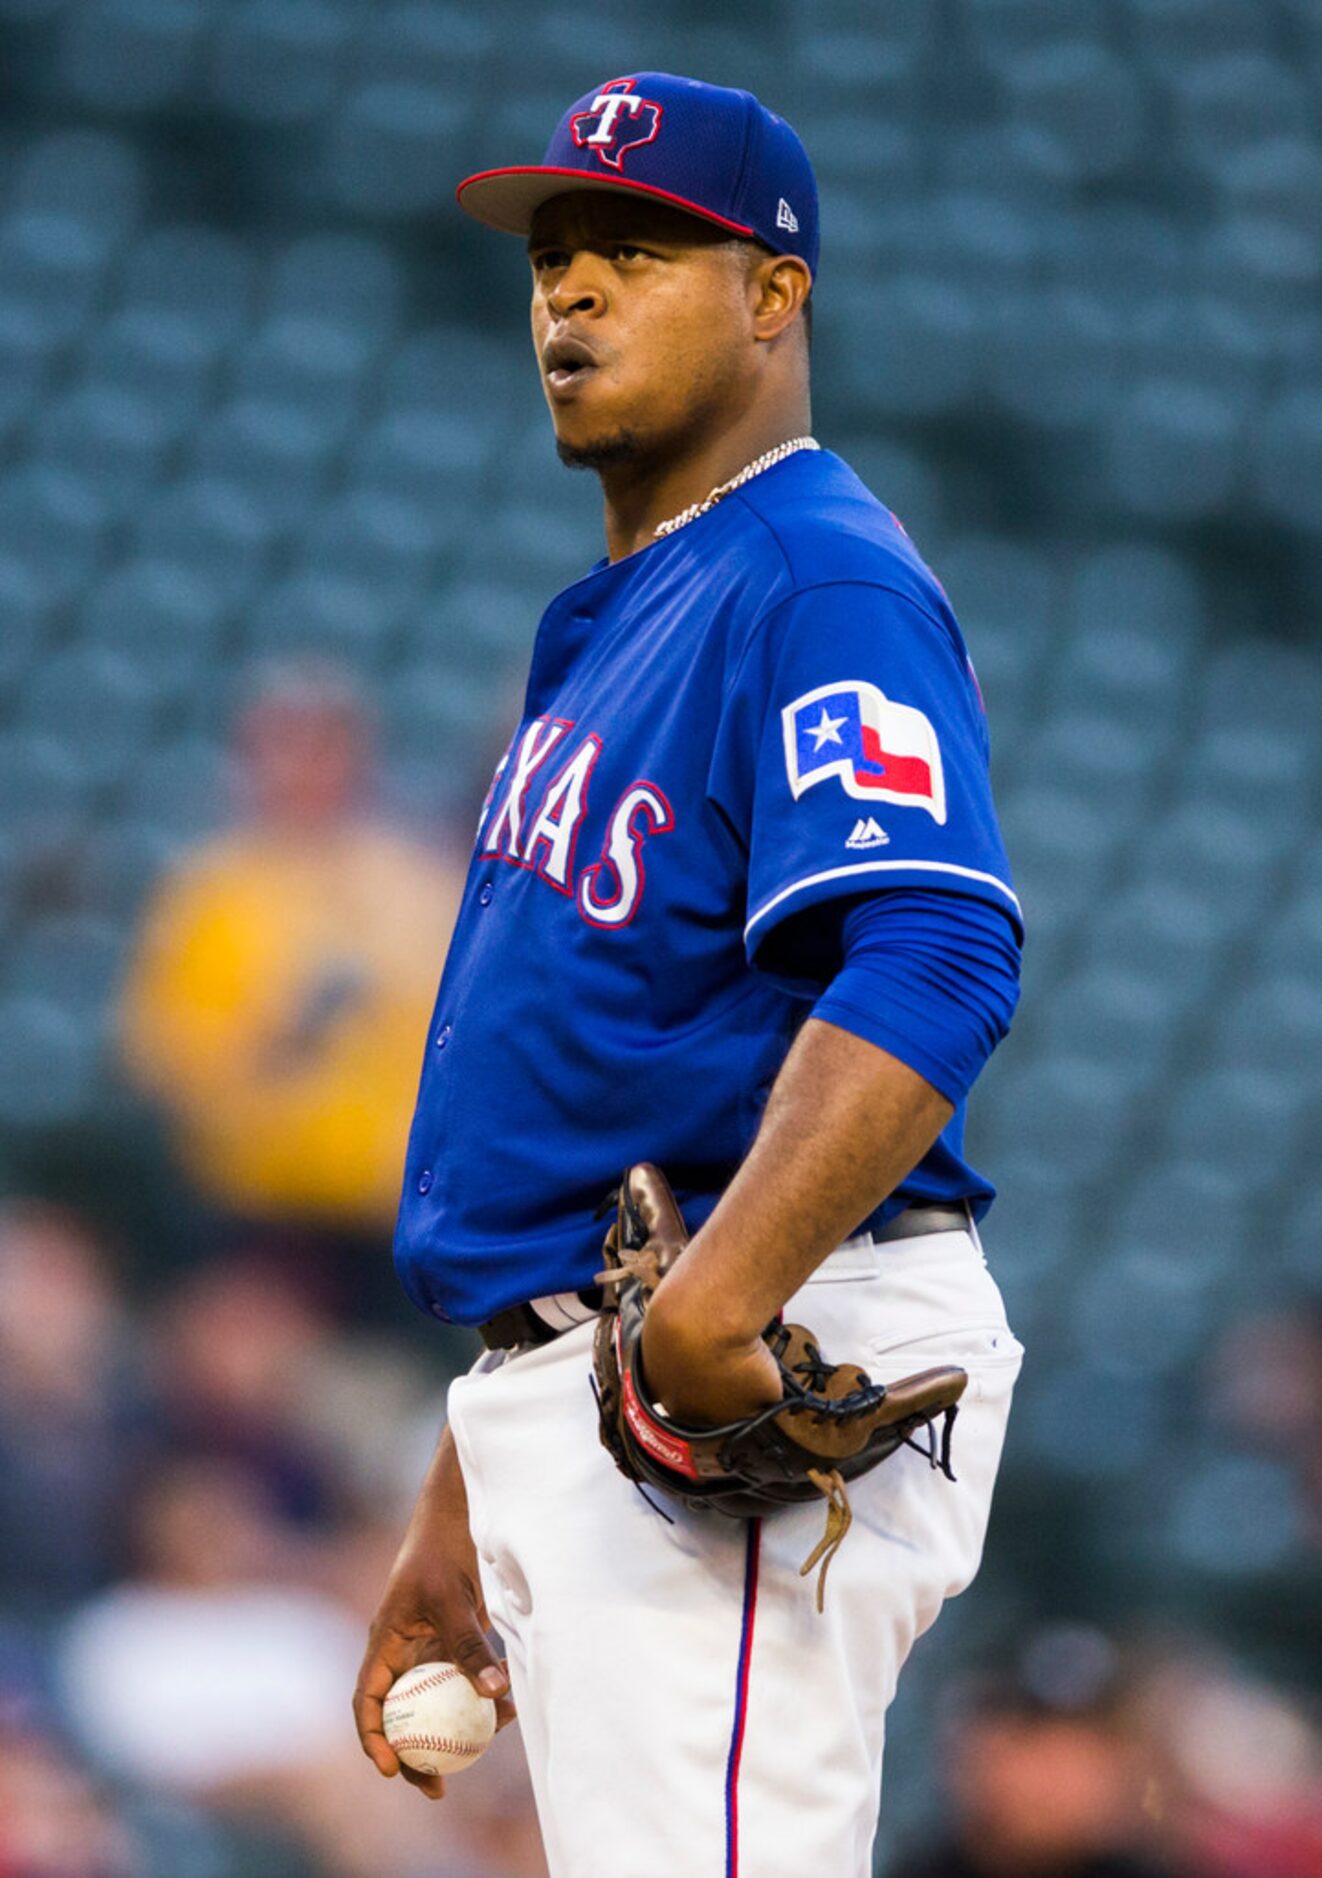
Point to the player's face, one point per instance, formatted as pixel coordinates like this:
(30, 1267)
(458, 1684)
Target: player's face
(642, 318)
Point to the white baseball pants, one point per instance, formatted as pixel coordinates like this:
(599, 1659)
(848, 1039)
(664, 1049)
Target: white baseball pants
(684, 1708)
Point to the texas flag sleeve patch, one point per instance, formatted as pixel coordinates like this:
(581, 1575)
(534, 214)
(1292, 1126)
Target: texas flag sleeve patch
(880, 751)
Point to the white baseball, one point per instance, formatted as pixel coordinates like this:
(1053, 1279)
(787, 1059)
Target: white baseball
(435, 1720)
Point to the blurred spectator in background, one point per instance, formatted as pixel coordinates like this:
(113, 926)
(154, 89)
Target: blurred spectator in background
(1265, 1386)
(1047, 1771)
(68, 1408)
(277, 1002)
(1237, 1768)
(53, 1823)
(215, 1673)
(217, 1660)
(233, 1354)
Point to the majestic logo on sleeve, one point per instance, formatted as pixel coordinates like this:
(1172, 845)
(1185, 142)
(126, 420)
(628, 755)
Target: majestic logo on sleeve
(618, 120)
(880, 750)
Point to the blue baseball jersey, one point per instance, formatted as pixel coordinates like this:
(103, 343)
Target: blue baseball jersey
(757, 716)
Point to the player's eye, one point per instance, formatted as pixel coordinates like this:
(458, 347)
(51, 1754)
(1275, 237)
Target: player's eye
(626, 251)
(545, 260)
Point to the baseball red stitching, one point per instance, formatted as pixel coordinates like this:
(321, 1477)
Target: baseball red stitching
(440, 1744)
(436, 1744)
(446, 1673)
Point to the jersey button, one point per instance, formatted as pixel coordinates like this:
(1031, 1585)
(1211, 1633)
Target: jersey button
(425, 1180)
(486, 894)
(442, 1036)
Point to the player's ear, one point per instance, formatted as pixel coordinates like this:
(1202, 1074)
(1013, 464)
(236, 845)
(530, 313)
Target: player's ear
(780, 285)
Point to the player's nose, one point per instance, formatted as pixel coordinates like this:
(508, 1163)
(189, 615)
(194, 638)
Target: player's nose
(579, 288)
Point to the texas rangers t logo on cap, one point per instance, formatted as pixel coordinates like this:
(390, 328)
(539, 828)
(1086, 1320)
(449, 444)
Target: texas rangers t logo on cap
(880, 750)
(618, 120)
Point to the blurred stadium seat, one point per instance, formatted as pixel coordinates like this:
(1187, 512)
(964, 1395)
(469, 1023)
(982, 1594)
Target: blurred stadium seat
(421, 42)
(1287, 461)
(181, 787)
(213, 525)
(424, 458)
(48, 1063)
(1278, 181)
(463, 373)
(1190, 1215)
(43, 796)
(1111, 1014)
(27, 604)
(907, 346)
(1173, 31)
(1081, 101)
(99, 705)
(132, 55)
(68, 959)
(313, 612)
(279, 453)
(166, 616)
(1139, 1313)
(281, 61)
(89, 185)
(203, 275)
(339, 277)
(395, 146)
(169, 357)
(1178, 931)
(115, 442)
(27, 348)
(54, 525)
(1266, 1522)
(1247, 1124)
(1227, 103)
(1261, 683)
(849, 57)
(1174, 449)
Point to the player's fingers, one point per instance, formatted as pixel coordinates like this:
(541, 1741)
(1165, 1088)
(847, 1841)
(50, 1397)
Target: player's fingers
(372, 1738)
(505, 1709)
(474, 1655)
(432, 1785)
(375, 1676)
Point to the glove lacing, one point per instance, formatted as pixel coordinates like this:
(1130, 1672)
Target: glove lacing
(839, 1518)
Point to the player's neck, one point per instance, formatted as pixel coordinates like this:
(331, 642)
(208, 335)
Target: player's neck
(641, 495)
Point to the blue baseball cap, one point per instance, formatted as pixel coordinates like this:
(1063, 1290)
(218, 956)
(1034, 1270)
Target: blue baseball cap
(713, 152)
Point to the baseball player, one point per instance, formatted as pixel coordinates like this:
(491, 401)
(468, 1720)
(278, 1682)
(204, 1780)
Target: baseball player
(738, 906)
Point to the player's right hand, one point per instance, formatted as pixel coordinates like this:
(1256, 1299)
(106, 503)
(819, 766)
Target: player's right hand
(432, 1611)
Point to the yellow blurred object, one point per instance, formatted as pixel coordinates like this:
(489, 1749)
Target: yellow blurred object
(277, 1008)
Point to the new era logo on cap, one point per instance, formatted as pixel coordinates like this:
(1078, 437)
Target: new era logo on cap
(706, 149)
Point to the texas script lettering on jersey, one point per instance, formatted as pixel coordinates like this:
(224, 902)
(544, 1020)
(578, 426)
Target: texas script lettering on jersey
(536, 827)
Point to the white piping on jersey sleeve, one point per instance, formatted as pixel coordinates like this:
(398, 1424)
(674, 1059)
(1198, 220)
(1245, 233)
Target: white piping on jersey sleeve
(879, 867)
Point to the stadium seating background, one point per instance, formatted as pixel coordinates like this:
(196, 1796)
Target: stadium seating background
(262, 388)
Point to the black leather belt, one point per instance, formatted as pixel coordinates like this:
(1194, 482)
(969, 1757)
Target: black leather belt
(521, 1323)
(916, 1221)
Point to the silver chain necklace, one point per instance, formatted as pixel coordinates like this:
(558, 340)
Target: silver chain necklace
(746, 475)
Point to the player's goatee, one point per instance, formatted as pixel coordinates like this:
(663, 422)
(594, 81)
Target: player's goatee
(626, 446)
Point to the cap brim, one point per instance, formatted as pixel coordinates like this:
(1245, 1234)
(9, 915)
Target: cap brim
(508, 199)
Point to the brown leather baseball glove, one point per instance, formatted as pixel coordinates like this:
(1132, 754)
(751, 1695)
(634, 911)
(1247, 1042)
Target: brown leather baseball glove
(832, 1424)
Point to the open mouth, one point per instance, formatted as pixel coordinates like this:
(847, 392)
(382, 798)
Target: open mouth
(567, 363)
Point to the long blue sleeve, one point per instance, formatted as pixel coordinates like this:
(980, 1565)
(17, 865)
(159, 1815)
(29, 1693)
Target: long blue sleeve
(933, 978)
